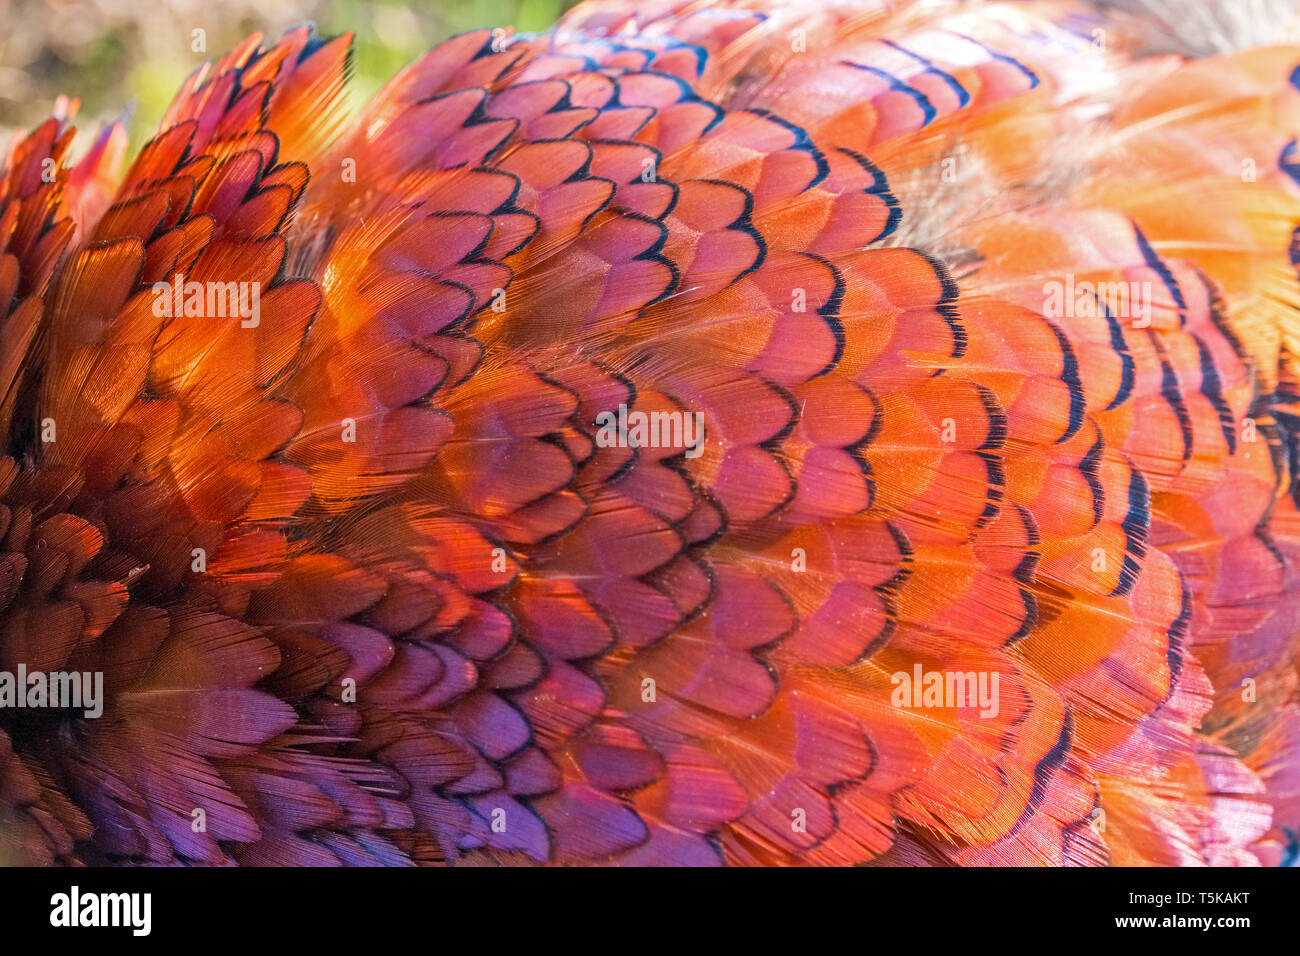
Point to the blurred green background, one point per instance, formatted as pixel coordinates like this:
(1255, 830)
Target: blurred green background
(109, 53)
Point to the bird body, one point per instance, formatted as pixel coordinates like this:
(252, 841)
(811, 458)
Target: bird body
(751, 432)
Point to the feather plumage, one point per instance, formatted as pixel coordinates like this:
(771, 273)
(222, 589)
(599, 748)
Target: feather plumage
(368, 584)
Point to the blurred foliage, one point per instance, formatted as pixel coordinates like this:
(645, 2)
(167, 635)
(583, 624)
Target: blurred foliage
(115, 53)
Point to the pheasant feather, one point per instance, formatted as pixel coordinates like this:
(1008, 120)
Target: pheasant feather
(748, 432)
